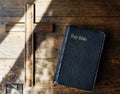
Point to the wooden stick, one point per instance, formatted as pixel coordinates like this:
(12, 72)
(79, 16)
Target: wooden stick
(29, 39)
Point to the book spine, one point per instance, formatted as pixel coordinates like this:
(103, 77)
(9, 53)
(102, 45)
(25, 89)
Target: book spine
(61, 55)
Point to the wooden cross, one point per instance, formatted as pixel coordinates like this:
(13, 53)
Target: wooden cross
(29, 27)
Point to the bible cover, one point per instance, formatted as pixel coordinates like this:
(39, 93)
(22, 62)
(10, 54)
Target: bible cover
(79, 58)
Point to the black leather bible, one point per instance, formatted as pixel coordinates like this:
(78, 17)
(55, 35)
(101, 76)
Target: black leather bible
(79, 58)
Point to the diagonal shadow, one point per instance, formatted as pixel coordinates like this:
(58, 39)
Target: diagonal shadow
(15, 71)
(20, 64)
(7, 11)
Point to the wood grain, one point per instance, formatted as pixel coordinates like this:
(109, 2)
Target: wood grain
(51, 43)
(12, 45)
(29, 47)
(81, 10)
(12, 71)
(94, 14)
(39, 27)
(11, 12)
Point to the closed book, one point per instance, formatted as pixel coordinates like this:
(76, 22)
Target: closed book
(79, 58)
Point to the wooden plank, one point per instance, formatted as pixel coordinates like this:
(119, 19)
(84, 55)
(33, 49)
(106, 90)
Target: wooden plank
(49, 64)
(5, 20)
(98, 2)
(12, 44)
(111, 31)
(44, 70)
(80, 20)
(29, 47)
(78, 2)
(12, 71)
(48, 41)
(111, 49)
(49, 46)
(60, 3)
(107, 72)
(109, 25)
(7, 67)
(47, 53)
(54, 52)
(11, 12)
(51, 11)
(108, 89)
(51, 91)
(107, 80)
(108, 77)
(2, 33)
(95, 0)
(39, 27)
(78, 11)
(12, 3)
(106, 24)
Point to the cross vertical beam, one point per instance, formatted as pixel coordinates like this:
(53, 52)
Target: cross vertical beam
(29, 45)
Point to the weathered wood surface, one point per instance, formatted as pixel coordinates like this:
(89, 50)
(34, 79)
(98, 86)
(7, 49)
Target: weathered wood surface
(11, 12)
(29, 45)
(80, 9)
(20, 27)
(51, 40)
(12, 71)
(31, 27)
(9, 47)
(95, 14)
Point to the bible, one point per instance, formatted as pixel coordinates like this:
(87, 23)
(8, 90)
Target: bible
(79, 58)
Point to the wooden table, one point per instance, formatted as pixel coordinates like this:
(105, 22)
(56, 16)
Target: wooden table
(94, 14)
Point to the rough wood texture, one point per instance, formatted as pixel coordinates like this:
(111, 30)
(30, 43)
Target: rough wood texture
(11, 12)
(9, 47)
(29, 30)
(98, 15)
(95, 14)
(39, 27)
(12, 71)
(29, 47)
